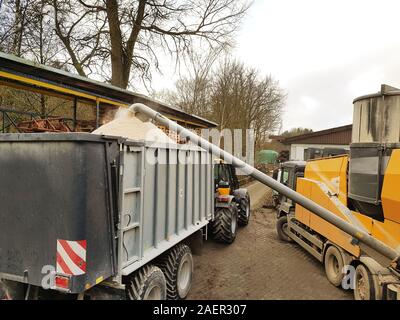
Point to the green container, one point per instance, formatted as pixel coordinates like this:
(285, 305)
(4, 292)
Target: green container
(267, 157)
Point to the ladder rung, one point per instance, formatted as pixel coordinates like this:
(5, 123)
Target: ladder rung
(132, 190)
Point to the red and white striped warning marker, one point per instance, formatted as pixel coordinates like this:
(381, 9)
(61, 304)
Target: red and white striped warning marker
(71, 257)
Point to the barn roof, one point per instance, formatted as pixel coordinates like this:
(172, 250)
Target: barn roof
(25, 74)
(336, 136)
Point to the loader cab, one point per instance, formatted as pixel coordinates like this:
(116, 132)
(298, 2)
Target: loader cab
(287, 174)
(225, 178)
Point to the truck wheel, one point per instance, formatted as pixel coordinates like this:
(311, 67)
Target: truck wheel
(364, 287)
(224, 225)
(177, 266)
(244, 211)
(282, 229)
(333, 262)
(148, 283)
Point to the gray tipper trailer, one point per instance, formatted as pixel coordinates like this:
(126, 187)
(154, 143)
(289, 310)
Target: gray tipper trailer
(369, 243)
(87, 213)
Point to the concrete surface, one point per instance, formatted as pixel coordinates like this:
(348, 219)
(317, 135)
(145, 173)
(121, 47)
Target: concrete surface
(260, 266)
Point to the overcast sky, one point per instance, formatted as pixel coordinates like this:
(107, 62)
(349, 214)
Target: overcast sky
(324, 53)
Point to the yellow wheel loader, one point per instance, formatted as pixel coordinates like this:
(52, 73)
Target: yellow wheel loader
(232, 203)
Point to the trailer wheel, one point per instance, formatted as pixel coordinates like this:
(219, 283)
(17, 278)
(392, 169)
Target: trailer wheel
(364, 287)
(3, 292)
(244, 210)
(148, 283)
(177, 266)
(333, 262)
(282, 229)
(224, 225)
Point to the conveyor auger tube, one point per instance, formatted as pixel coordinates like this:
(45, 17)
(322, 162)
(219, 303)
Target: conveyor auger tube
(320, 211)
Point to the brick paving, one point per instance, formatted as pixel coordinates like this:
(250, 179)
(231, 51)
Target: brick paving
(260, 266)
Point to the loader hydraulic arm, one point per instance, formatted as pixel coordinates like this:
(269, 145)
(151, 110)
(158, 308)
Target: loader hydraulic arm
(320, 211)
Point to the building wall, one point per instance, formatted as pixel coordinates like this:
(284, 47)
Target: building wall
(297, 150)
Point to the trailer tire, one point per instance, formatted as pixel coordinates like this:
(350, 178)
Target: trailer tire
(281, 229)
(244, 210)
(224, 225)
(3, 291)
(364, 286)
(148, 283)
(334, 264)
(177, 266)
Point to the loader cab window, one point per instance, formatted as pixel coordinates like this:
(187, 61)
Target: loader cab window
(226, 173)
(285, 176)
(221, 173)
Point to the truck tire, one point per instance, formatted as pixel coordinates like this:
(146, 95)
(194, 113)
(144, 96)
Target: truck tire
(177, 266)
(224, 225)
(148, 283)
(364, 286)
(281, 229)
(3, 292)
(244, 210)
(334, 264)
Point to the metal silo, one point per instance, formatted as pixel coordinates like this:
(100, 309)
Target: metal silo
(376, 132)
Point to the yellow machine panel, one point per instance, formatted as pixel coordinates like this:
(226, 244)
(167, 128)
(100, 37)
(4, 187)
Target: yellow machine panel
(391, 188)
(332, 172)
(388, 232)
(325, 182)
(315, 191)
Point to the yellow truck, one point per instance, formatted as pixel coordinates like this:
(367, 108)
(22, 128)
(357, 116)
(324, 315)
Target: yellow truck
(362, 188)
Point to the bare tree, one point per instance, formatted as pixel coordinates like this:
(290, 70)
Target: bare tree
(193, 91)
(81, 31)
(135, 31)
(13, 21)
(235, 97)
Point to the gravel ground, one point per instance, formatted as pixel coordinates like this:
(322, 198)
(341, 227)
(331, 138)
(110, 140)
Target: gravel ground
(260, 266)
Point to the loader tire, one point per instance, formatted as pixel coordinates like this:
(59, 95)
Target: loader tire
(244, 211)
(281, 229)
(148, 283)
(364, 286)
(334, 264)
(224, 225)
(177, 266)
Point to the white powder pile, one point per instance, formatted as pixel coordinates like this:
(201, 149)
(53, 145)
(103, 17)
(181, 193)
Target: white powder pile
(126, 125)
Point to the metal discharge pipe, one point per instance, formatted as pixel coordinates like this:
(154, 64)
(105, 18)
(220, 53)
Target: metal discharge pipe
(312, 206)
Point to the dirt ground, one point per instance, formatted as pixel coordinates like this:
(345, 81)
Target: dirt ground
(260, 266)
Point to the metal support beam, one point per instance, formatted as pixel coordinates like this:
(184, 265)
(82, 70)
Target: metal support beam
(75, 112)
(312, 206)
(4, 122)
(97, 114)
(12, 122)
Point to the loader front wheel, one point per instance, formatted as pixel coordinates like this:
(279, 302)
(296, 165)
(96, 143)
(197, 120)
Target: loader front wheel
(148, 283)
(282, 229)
(177, 266)
(333, 266)
(364, 287)
(244, 210)
(224, 225)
